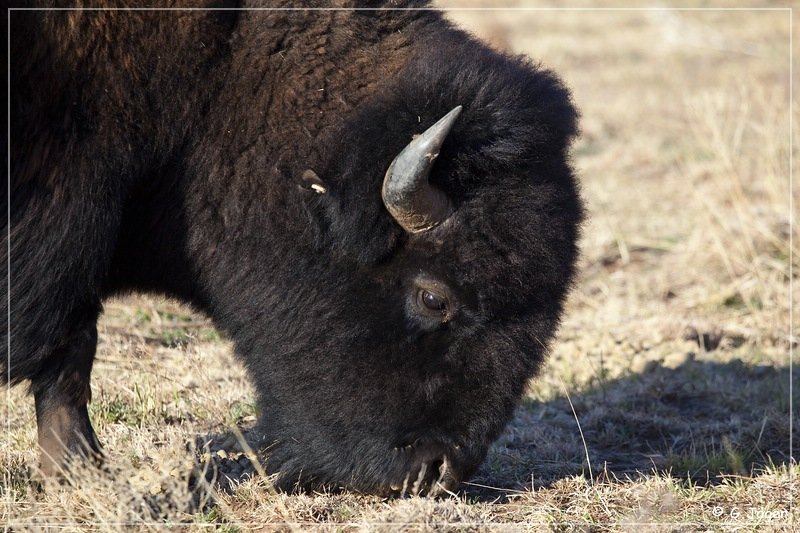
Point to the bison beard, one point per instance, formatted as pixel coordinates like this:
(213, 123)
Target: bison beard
(375, 207)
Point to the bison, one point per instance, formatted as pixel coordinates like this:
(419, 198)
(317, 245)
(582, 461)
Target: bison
(378, 209)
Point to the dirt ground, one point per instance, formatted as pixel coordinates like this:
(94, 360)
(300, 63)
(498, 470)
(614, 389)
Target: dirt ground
(665, 402)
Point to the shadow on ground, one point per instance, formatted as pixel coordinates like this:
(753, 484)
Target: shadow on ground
(698, 422)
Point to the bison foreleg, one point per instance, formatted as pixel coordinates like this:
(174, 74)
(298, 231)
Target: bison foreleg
(62, 392)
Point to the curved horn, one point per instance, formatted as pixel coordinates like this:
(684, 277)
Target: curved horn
(413, 202)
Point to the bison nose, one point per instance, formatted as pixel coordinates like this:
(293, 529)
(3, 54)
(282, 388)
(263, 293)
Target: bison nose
(431, 469)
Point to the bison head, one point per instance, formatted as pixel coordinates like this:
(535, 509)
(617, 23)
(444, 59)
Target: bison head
(435, 245)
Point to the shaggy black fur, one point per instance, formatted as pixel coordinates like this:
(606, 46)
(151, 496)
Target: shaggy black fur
(164, 152)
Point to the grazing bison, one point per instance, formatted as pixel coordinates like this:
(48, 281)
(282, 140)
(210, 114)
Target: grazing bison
(375, 207)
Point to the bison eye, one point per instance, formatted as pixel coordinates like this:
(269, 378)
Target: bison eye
(431, 304)
(433, 301)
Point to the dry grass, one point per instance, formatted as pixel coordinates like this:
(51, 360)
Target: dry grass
(674, 352)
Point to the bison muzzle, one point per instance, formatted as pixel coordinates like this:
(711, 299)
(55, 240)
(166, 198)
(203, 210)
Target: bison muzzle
(375, 207)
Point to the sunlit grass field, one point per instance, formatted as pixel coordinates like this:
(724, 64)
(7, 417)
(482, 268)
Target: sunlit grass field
(665, 401)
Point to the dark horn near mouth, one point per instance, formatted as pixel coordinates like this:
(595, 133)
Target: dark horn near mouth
(413, 202)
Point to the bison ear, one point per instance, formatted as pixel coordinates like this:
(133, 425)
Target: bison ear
(312, 182)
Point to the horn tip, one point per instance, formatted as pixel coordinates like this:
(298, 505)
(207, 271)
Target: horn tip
(454, 112)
